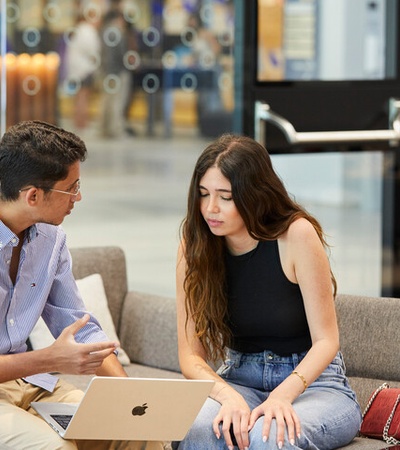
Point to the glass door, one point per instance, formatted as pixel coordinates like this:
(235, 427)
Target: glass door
(320, 88)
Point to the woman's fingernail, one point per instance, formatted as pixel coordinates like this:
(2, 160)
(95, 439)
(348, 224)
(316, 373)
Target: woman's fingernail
(264, 438)
(280, 444)
(291, 441)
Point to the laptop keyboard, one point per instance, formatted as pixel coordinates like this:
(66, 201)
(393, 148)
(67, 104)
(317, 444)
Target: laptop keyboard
(62, 419)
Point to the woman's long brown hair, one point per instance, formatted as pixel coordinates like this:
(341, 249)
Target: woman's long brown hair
(267, 211)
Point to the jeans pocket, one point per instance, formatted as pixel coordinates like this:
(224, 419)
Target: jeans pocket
(225, 369)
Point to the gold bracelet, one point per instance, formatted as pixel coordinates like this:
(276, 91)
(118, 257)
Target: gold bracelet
(301, 378)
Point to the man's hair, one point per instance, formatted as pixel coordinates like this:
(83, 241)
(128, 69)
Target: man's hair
(35, 153)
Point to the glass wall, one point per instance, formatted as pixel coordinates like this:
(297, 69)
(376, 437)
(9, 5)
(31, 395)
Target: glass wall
(308, 53)
(147, 84)
(120, 66)
(344, 191)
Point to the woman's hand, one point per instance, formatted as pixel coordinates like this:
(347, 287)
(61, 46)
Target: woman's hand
(233, 414)
(285, 416)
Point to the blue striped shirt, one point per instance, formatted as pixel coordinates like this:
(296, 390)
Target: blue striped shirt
(44, 287)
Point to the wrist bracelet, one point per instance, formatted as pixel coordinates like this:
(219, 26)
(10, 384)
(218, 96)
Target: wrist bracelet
(301, 378)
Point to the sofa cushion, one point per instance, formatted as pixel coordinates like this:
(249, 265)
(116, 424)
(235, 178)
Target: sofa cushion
(94, 297)
(110, 263)
(370, 335)
(92, 291)
(148, 330)
(365, 444)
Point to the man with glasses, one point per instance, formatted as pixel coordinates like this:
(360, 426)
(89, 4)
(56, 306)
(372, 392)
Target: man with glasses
(39, 186)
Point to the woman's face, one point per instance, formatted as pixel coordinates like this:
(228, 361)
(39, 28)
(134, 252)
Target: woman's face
(217, 206)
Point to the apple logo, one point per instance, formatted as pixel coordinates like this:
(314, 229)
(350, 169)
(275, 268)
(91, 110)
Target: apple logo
(139, 410)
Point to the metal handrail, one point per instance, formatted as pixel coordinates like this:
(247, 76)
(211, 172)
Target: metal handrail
(263, 113)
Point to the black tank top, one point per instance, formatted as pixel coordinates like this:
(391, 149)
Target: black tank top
(266, 310)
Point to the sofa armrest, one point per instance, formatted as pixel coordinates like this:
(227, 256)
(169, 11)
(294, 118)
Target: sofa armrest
(148, 330)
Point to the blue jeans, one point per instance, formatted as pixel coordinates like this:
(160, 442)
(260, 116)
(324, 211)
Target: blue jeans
(329, 414)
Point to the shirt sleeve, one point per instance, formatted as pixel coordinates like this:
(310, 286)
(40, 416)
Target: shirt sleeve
(65, 305)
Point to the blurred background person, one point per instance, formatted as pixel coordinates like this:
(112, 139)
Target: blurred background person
(116, 77)
(82, 60)
(132, 37)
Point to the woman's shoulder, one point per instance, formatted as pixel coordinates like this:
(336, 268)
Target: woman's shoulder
(301, 225)
(300, 230)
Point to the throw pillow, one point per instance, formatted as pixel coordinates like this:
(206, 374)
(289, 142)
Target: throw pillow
(94, 297)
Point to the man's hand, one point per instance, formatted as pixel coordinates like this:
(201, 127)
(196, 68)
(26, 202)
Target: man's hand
(71, 357)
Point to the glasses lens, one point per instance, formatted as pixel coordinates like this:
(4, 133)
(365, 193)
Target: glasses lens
(77, 188)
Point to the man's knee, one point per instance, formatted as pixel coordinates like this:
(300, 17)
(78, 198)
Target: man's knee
(56, 443)
(22, 430)
(46, 442)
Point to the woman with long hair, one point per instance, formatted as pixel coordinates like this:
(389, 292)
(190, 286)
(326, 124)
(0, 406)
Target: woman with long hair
(255, 289)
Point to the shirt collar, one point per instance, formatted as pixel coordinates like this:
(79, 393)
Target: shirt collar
(7, 236)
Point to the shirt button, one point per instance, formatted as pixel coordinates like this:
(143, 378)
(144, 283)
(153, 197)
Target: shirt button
(13, 240)
(8, 261)
(12, 322)
(270, 357)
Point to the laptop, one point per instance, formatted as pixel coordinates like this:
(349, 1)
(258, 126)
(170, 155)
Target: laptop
(137, 409)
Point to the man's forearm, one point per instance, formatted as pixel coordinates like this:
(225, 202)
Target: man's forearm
(111, 367)
(21, 365)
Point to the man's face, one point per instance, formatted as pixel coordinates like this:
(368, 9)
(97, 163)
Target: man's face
(60, 201)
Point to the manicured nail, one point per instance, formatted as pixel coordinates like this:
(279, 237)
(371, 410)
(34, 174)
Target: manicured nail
(230, 447)
(291, 441)
(264, 438)
(280, 445)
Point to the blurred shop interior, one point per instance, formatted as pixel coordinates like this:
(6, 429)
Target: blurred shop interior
(149, 83)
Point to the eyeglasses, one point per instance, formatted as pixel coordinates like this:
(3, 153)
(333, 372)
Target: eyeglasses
(73, 191)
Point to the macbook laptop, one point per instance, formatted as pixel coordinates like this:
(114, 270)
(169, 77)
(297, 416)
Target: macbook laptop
(138, 409)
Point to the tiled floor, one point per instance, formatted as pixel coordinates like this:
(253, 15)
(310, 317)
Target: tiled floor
(134, 196)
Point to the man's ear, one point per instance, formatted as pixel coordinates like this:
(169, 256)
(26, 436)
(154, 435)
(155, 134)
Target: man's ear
(32, 195)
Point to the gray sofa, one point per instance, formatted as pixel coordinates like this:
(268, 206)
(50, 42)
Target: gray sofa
(146, 326)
